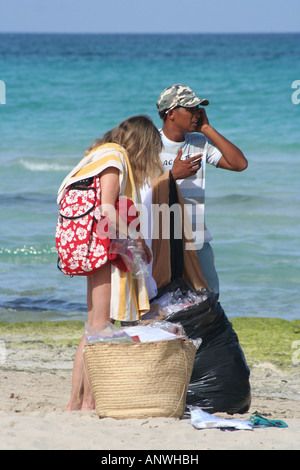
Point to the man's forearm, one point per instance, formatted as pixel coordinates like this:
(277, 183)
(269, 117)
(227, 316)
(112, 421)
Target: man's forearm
(232, 157)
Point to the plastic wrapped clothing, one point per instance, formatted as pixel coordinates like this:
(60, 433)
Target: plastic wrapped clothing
(220, 377)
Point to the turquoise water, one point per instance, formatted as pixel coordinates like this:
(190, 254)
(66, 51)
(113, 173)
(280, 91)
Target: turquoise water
(62, 91)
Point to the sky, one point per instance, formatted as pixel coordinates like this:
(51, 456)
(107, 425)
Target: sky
(151, 16)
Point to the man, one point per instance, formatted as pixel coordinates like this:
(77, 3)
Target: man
(189, 142)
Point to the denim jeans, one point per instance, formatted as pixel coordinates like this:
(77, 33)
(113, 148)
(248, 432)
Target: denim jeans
(206, 260)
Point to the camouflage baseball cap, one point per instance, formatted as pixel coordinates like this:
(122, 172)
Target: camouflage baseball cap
(179, 95)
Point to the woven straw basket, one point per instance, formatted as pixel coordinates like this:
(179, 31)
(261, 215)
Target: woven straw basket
(140, 380)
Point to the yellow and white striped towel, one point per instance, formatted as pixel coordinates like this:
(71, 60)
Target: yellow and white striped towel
(129, 297)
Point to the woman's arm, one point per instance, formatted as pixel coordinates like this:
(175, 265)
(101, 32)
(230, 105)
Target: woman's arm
(110, 189)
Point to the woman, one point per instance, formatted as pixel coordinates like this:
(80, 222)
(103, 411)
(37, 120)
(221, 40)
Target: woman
(125, 158)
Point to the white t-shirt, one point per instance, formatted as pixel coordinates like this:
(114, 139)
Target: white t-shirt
(192, 188)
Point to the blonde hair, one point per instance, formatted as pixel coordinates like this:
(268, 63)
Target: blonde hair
(142, 142)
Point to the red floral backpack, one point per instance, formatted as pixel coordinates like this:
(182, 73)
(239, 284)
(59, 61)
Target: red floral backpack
(81, 251)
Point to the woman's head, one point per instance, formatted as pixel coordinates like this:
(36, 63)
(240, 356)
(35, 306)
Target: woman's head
(142, 142)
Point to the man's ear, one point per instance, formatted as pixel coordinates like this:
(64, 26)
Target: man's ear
(171, 114)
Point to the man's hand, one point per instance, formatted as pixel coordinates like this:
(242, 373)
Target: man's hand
(203, 120)
(184, 168)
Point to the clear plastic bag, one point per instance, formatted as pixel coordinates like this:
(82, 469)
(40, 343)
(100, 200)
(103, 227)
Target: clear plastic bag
(132, 255)
(202, 420)
(176, 301)
(110, 333)
(174, 328)
(155, 331)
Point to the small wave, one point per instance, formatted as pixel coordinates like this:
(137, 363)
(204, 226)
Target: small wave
(41, 304)
(235, 198)
(44, 166)
(20, 199)
(40, 309)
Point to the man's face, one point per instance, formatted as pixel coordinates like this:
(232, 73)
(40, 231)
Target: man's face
(186, 119)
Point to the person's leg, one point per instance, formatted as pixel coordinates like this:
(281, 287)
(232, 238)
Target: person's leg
(77, 379)
(75, 402)
(97, 317)
(206, 261)
(98, 306)
(99, 312)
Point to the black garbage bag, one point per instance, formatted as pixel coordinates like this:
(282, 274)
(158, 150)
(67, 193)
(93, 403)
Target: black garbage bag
(220, 377)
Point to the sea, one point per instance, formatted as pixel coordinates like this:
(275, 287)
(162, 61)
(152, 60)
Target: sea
(58, 92)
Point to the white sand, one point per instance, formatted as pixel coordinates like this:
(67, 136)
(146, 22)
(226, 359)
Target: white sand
(35, 387)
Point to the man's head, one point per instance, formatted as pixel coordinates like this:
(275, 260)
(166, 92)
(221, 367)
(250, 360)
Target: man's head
(178, 95)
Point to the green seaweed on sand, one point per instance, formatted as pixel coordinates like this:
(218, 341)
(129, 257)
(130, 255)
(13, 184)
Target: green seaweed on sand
(48, 333)
(270, 340)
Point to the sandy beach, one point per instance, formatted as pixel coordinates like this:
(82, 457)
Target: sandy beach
(35, 382)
